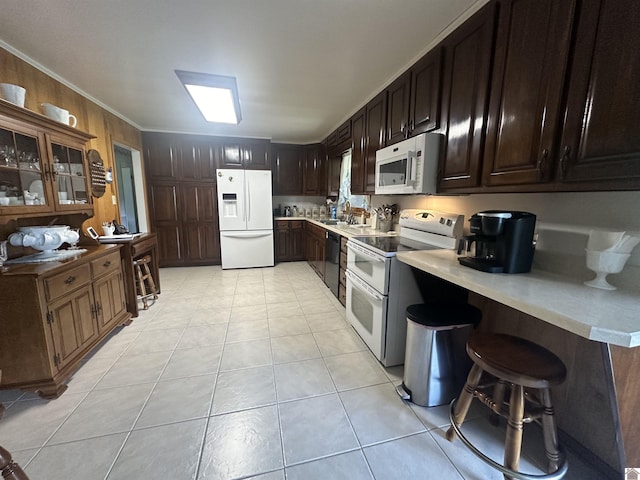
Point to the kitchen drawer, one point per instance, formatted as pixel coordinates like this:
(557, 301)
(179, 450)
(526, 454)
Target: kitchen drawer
(105, 264)
(144, 246)
(343, 260)
(282, 224)
(343, 276)
(343, 244)
(295, 224)
(342, 295)
(63, 283)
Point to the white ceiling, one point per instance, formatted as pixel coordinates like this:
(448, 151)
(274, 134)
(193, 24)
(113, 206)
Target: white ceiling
(302, 66)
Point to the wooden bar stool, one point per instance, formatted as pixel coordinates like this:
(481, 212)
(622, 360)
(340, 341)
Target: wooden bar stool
(516, 364)
(144, 280)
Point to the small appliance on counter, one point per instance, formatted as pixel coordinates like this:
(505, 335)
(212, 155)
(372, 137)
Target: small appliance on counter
(503, 242)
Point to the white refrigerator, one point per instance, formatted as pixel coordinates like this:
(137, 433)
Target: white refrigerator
(246, 218)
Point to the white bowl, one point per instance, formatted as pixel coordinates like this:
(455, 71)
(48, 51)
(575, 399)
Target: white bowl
(606, 261)
(603, 263)
(44, 238)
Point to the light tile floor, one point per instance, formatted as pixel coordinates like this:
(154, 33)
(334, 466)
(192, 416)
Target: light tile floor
(243, 374)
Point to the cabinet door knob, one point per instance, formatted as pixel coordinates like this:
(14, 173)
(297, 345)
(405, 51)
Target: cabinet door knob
(70, 279)
(107, 263)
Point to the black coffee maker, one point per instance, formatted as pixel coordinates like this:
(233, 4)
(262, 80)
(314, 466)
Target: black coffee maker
(503, 242)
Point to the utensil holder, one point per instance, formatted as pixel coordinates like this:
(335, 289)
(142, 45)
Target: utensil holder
(384, 225)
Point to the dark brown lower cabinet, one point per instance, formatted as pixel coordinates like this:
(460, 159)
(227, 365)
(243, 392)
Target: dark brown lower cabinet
(289, 241)
(315, 238)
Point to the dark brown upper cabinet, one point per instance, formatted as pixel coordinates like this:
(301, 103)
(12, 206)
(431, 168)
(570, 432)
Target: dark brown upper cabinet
(398, 109)
(426, 93)
(600, 144)
(375, 133)
(467, 70)
(288, 161)
(531, 56)
(246, 153)
(314, 171)
(198, 160)
(161, 153)
(358, 151)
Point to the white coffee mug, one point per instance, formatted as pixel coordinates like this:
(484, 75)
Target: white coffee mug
(108, 230)
(13, 93)
(59, 114)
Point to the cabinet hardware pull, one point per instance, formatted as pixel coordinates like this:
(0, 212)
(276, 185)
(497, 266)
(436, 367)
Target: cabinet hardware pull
(565, 160)
(98, 308)
(541, 162)
(47, 173)
(70, 279)
(107, 263)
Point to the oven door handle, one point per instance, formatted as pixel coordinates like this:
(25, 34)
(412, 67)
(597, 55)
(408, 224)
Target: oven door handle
(363, 286)
(366, 253)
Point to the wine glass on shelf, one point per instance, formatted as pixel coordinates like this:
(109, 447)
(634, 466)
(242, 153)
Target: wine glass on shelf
(3, 255)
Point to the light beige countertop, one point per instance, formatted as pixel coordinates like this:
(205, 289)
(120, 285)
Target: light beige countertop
(344, 230)
(604, 316)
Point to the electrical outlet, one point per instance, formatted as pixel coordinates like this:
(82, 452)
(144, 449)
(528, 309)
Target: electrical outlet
(113, 200)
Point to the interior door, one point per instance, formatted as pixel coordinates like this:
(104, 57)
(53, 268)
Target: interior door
(126, 189)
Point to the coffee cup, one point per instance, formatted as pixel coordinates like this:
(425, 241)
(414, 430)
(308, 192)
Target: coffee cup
(59, 114)
(13, 93)
(108, 230)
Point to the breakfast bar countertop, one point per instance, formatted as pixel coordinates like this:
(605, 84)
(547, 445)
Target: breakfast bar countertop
(611, 317)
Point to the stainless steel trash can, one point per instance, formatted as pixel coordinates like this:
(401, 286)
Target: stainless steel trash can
(436, 364)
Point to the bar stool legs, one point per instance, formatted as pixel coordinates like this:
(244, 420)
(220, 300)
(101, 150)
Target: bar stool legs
(513, 442)
(550, 431)
(512, 364)
(463, 402)
(9, 469)
(144, 280)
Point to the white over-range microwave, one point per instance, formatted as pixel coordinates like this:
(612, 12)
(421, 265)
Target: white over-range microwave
(410, 166)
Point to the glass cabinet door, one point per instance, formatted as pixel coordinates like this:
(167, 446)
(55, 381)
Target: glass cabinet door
(21, 179)
(69, 174)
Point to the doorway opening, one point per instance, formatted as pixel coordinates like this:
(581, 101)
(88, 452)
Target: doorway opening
(128, 166)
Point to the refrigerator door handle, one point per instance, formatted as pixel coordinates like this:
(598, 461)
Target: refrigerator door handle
(248, 202)
(247, 234)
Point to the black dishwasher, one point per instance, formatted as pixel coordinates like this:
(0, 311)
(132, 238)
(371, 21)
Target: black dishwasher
(332, 262)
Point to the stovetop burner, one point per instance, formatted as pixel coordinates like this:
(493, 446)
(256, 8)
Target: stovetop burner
(389, 246)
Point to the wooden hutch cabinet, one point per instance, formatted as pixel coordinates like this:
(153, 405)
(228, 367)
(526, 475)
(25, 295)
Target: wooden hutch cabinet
(42, 166)
(52, 313)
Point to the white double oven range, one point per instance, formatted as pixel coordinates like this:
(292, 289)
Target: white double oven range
(380, 287)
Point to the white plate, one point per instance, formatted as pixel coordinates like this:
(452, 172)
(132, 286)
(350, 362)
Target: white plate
(36, 187)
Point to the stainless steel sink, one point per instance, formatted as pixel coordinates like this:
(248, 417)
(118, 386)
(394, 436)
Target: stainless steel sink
(329, 222)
